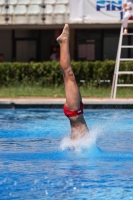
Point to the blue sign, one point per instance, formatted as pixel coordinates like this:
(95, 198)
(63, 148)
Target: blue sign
(109, 5)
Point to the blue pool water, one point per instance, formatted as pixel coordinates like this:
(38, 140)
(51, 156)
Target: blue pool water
(35, 162)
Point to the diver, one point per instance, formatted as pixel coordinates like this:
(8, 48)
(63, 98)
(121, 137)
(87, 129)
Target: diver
(73, 107)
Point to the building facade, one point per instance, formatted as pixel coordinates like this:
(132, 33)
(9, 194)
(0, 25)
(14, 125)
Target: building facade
(28, 31)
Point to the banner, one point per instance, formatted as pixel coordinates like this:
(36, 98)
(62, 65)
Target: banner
(95, 10)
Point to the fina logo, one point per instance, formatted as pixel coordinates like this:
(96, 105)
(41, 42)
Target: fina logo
(109, 5)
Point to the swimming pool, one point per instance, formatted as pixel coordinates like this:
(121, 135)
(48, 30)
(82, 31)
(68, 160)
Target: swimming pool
(35, 162)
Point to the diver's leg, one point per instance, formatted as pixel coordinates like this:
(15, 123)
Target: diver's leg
(73, 96)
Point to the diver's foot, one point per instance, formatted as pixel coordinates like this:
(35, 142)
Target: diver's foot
(64, 35)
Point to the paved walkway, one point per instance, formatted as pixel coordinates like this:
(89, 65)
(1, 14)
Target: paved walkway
(9, 102)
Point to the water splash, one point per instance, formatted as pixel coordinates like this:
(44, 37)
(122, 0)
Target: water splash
(88, 142)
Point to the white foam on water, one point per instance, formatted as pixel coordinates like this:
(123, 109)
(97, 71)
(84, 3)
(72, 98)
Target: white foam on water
(87, 142)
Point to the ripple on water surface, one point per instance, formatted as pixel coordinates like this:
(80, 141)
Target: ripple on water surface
(38, 161)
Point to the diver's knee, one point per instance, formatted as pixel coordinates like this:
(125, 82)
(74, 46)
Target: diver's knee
(69, 74)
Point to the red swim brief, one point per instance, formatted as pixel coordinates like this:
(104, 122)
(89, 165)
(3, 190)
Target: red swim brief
(72, 113)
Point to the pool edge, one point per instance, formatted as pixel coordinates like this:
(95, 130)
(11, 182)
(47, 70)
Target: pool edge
(56, 103)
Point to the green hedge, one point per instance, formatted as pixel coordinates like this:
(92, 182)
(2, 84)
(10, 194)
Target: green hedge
(49, 73)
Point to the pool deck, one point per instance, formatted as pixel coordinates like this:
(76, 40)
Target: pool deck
(90, 103)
